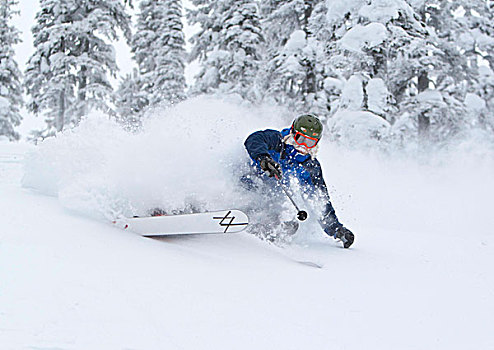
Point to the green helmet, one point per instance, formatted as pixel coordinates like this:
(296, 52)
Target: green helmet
(308, 125)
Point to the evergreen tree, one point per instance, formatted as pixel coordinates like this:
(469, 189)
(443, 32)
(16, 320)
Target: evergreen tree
(465, 29)
(280, 19)
(485, 90)
(379, 39)
(227, 47)
(159, 49)
(67, 76)
(10, 86)
(130, 101)
(293, 76)
(293, 73)
(395, 65)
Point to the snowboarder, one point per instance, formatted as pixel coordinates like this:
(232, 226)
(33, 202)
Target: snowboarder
(291, 154)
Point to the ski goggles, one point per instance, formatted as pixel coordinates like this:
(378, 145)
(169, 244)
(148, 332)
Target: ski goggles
(304, 140)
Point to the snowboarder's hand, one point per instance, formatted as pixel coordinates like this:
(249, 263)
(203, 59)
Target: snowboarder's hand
(345, 235)
(270, 166)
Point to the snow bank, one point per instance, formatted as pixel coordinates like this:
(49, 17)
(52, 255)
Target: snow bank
(190, 155)
(11, 156)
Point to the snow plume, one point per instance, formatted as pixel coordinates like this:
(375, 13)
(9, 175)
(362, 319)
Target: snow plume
(186, 157)
(447, 192)
(192, 155)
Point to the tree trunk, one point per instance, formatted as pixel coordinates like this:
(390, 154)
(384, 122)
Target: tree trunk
(82, 94)
(83, 79)
(308, 8)
(60, 121)
(59, 124)
(309, 86)
(423, 119)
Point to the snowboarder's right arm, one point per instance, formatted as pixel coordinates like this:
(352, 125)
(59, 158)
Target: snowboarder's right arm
(259, 143)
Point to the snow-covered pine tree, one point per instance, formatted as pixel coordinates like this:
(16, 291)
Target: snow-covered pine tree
(280, 18)
(159, 49)
(465, 29)
(10, 76)
(67, 76)
(436, 108)
(227, 47)
(130, 101)
(292, 75)
(374, 40)
(386, 60)
(330, 80)
(485, 89)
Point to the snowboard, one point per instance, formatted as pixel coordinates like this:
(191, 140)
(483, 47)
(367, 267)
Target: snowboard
(224, 221)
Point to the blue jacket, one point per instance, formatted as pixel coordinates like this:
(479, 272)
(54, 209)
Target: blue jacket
(293, 164)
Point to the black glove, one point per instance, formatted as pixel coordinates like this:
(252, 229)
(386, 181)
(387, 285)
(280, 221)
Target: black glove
(345, 235)
(270, 166)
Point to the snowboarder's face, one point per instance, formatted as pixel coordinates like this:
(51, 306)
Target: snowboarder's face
(304, 140)
(300, 149)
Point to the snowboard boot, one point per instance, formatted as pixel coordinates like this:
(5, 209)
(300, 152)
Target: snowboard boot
(345, 235)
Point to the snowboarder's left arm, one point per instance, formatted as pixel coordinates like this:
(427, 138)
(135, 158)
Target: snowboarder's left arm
(319, 190)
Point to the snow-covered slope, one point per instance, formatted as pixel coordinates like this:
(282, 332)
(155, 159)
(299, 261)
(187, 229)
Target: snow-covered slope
(418, 277)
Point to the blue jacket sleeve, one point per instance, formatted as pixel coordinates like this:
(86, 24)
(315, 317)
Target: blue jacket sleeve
(260, 142)
(328, 218)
